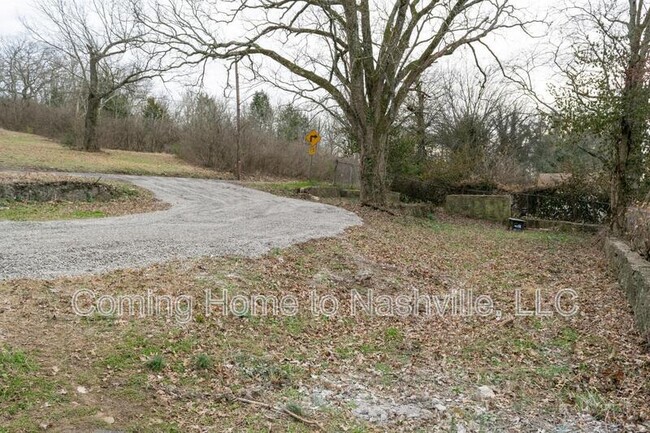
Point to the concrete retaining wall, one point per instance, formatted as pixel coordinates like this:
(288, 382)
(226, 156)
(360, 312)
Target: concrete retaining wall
(488, 207)
(633, 274)
(562, 226)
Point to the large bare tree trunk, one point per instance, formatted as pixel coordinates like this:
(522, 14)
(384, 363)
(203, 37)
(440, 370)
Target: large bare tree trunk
(373, 167)
(93, 102)
(618, 194)
(90, 124)
(632, 129)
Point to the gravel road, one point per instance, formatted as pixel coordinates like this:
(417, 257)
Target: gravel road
(207, 218)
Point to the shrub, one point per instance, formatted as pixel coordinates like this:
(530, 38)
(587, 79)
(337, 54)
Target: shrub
(574, 201)
(435, 190)
(204, 134)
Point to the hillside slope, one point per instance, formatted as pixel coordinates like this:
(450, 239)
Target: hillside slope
(19, 151)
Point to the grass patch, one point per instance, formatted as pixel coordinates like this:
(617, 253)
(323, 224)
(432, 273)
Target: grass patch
(595, 404)
(119, 198)
(156, 363)
(20, 386)
(203, 362)
(18, 211)
(566, 338)
(286, 188)
(27, 151)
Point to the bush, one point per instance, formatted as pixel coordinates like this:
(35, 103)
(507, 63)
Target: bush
(205, 135)
(435, 190)
(208, 137)
(62, 124)
(34, 118)
(138, 134)
(574, 201)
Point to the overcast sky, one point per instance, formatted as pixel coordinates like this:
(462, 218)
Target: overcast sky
(10, 11)
(506, 47)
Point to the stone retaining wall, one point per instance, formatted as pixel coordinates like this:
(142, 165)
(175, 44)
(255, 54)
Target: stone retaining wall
(637, 221)
(488, 207)
(562, 226)
(633, 274)
(334, 191)
(59, 191)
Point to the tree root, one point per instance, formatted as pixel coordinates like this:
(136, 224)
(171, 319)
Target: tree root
(380, 208)
(282, 410)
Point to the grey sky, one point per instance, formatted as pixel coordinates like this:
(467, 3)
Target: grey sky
(506, 47)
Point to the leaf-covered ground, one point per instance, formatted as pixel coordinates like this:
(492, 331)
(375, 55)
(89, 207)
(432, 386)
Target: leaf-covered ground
(354, 373)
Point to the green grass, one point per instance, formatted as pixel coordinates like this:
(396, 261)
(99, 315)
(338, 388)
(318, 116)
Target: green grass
(124, 198)
(27, 151)
(156, 363)
(594, 403)
(203, 362)
(20, 386)
(393, 336)
(566, 339)
(285, 188)
(293, 185)
(295, 408)
(18, 211)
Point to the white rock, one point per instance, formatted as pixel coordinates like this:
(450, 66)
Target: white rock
(82, 390)
(485, 392)
(106, 418)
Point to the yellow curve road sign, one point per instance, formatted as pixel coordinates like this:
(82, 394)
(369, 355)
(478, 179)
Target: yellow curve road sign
(312, 137)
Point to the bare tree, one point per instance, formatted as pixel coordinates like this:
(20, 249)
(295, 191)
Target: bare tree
(25, 68)
(606, 96)
(362, 56)
(109, 46)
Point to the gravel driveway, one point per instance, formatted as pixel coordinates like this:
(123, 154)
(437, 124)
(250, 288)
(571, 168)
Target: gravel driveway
(207, 218)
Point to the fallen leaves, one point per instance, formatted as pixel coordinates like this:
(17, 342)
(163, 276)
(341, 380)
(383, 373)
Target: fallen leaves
(540, 372)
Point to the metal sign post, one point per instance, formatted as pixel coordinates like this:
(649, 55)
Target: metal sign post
(238, 168)
(313, 138)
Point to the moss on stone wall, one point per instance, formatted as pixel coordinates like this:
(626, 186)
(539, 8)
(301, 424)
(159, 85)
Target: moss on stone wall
(488, 207)
(633, 274)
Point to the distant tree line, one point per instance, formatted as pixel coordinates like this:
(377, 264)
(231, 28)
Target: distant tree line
(455, 125)
(42, 92)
